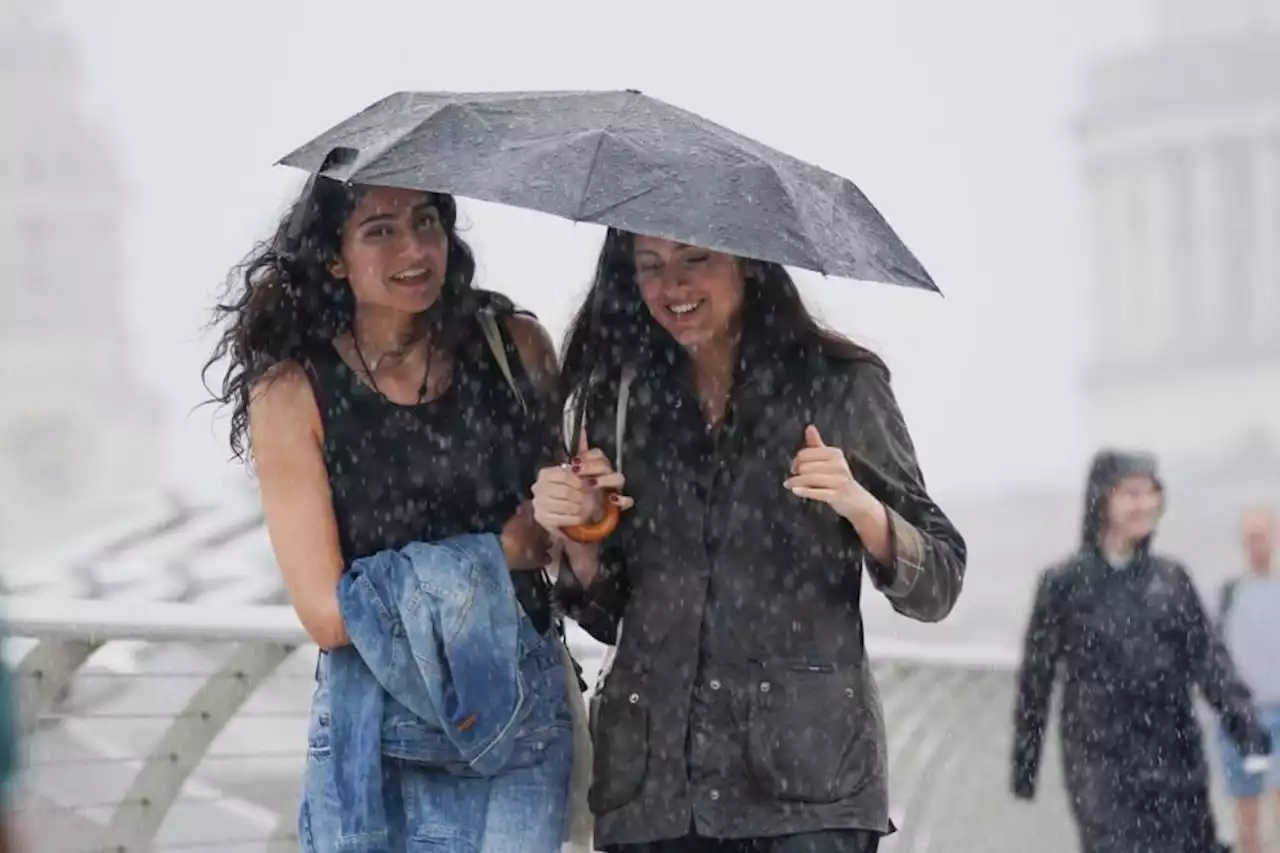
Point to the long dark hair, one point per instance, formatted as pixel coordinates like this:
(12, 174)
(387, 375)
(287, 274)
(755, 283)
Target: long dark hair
(282, 301)
(614, 327)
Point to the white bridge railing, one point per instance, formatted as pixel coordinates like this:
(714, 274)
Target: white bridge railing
(165, 695)
(137, 716)
(170, 726)
(176, 726)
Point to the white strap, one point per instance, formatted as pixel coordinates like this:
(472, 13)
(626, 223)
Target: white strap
(489, 324)
(579, 823)
(620, 415)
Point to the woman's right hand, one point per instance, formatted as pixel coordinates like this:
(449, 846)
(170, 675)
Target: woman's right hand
(565, 495)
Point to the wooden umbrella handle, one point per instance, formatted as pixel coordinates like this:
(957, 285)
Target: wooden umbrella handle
(599, 530)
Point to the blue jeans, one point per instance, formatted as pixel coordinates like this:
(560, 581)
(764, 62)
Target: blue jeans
(1241, 784)
(450, 808)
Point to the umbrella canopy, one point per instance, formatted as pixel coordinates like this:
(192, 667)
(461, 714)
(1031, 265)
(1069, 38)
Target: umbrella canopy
(620, 159)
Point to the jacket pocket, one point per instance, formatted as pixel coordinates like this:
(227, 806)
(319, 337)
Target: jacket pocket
(319, 740)
(814, 732)
(620, 761)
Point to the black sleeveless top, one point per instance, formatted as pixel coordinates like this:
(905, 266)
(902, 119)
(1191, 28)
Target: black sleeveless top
(459, 464)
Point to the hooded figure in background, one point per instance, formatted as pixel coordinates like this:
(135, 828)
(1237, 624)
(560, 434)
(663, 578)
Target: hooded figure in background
(1127, 631)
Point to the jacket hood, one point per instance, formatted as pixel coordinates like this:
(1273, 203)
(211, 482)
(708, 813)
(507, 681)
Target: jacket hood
(1108, 468)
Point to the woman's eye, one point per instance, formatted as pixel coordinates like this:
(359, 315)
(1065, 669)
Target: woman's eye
(697, 259)
(428, 222)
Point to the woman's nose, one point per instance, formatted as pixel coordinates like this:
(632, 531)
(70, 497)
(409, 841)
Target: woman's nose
(674, 279)
(413, 246)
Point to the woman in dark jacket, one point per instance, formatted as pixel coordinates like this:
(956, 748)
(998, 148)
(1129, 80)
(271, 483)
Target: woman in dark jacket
(1128, 632)
(766, 466)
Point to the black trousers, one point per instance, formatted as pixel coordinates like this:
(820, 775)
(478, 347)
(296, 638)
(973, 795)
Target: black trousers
(825, 841)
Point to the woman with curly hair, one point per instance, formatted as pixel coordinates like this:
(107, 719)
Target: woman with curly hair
(385, 401)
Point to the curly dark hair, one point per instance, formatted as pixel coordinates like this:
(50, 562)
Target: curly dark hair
(614, 327)
(282, 301)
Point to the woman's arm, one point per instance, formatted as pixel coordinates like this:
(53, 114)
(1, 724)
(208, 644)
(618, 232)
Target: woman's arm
(1040, 648)
(593, 588)
(1215, 674)
(525, 543)
(590, 581)
(538, 354)
(286, 438)
(918, 557)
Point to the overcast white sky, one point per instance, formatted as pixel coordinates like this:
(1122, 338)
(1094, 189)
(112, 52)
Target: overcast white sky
(952, 116)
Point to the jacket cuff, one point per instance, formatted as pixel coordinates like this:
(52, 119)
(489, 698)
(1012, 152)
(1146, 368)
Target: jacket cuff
(906, 551)
(1023, 788)
(582, 605)
(1025, 769)
(570, 591)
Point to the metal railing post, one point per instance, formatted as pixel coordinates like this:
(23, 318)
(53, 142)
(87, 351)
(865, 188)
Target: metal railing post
(171, 762)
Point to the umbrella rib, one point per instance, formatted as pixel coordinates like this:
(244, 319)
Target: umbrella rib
(591, 170)
(595, 158)
(784, 178)
(596, 214)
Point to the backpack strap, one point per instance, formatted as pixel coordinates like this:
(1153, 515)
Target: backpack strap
(1225, 600)
(493, 336)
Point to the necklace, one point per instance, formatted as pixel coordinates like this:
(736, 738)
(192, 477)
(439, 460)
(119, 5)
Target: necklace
(403, 348)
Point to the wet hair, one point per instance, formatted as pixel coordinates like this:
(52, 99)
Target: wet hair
(282, 301)
(614, 326)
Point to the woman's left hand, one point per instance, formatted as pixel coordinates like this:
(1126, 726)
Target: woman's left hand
(822, 473)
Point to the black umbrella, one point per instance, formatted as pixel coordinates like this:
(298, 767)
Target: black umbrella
(621, 159)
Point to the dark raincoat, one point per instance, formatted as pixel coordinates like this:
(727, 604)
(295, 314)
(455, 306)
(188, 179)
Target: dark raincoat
(741, 703)
(1130, 644)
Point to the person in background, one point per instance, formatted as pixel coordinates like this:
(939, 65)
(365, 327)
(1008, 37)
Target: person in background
(1249, 617)
(9, 754)
(1125, 629)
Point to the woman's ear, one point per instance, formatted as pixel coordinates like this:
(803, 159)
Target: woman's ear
(337, 267)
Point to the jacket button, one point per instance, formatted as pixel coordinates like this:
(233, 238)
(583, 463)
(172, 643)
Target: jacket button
(765, 686)
(714, 795)
(848, 691)
(633, 698)
(715, 684)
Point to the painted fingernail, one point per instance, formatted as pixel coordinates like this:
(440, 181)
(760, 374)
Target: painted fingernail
(576, 467)
(576, 462)
(591, 481)
(615, 499)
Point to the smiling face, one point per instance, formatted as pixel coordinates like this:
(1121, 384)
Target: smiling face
(695, 294)
(1134, 507)
(394, 250)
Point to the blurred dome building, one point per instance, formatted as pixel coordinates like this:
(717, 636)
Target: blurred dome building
(1180, 142)
(76, 431)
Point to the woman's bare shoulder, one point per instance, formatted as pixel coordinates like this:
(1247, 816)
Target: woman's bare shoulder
(535, 346)
(283, 403)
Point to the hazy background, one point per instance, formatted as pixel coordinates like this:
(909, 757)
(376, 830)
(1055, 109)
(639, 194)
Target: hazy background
(137, 139)
(1094, 185)
(952, 117)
